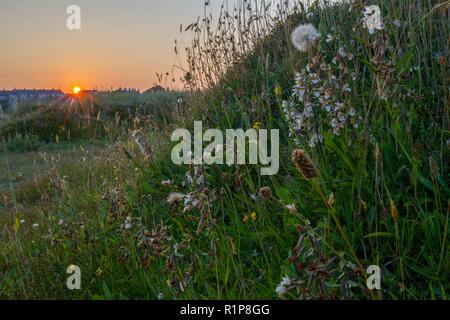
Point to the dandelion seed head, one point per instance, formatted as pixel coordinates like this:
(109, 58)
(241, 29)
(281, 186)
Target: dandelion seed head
(304, 36)
(175, 198)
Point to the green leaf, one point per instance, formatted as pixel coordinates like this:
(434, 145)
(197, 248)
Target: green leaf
(379, 235)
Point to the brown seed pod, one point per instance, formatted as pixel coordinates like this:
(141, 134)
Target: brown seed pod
(304, 164)
(265, 193)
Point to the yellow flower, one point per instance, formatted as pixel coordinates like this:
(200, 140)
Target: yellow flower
(98, 272)
(252, 216)
(257, 125)
(278, 91)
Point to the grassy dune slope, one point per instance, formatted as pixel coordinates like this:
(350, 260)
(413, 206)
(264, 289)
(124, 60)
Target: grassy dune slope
(378, 138)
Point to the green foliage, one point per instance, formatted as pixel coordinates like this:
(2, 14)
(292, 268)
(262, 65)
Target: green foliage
(381, 196)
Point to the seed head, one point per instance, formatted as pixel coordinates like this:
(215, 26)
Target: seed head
(394, 211)
(175, 198)
(265, 192)
(304, 36)
(304, 164)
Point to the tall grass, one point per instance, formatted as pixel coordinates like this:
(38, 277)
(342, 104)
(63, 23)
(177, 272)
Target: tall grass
(145, 228)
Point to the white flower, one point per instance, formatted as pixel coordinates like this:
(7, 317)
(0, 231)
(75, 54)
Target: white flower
(315, 139)
(342, 52)
(22, 221)
(36, 225)
(372, 18)
(397, 23)
(128, 224)
(347, 88)
(330, 38)
(292, 208)
(304, 36)
(284, 285)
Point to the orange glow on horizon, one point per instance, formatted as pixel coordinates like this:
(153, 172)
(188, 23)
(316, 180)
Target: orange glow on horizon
(76, 90)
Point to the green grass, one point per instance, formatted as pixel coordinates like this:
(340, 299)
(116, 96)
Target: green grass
(23, 167)
(381, 196)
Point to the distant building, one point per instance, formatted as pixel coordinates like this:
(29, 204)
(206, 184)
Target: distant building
(10, 99)
(90, 92)
(129, 90)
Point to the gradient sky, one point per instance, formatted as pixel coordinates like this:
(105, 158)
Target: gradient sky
(122, 43)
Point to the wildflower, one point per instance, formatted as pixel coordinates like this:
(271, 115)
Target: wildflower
(315, 139)
(283, 287)
(265, 192)
(257, 125)
(303, 164)
(128, 224)
(330, 38)
(397, 23)
(309, 112)
(278, 91)
(352, 112)
(175, 198)
(253, 216)
(292, 208)
(22, 221)
(342, 52)
(347, 88)
(167, 183)
(98, 272)
(372, 18)
(304, 36)
(36, 225)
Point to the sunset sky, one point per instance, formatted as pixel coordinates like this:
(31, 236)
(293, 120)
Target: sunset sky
(122, 43)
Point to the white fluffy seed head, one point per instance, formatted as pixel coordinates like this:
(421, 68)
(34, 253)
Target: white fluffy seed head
(304, 36)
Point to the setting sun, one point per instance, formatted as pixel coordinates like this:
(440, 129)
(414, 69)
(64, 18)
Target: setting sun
(76, 90)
